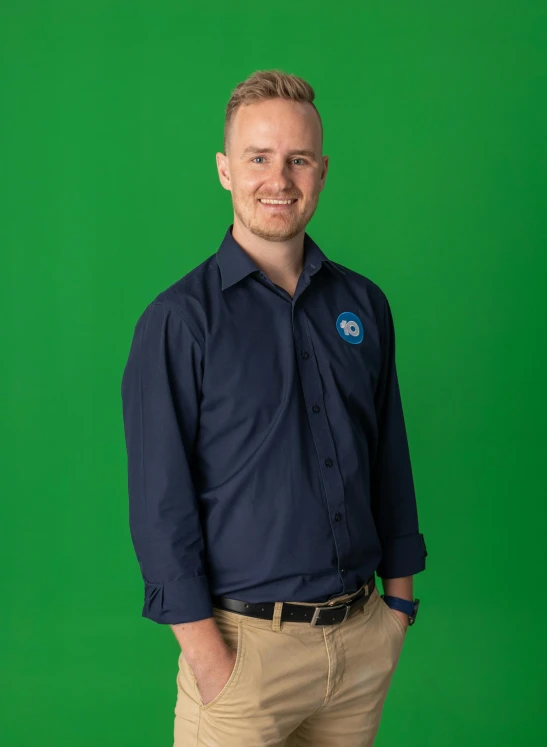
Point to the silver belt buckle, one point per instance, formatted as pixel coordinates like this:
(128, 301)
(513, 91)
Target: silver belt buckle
(333, 607)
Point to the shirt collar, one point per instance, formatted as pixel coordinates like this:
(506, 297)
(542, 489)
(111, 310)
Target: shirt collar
(235, 263)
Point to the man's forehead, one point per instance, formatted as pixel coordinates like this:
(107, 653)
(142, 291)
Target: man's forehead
(268, 135)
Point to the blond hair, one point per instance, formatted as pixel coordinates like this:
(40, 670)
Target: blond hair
(267, 84)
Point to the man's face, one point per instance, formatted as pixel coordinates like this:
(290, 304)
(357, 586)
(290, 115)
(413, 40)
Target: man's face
(274, 152)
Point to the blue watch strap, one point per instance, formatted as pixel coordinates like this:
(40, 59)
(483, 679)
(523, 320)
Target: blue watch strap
(396, 603)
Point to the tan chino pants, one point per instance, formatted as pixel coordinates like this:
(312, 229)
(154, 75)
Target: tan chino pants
(293, 684)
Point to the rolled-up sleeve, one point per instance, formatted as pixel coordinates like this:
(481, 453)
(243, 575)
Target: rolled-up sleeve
(393, 497)
(160, 390)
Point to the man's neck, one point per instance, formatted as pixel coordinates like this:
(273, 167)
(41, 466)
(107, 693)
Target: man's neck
(281, 261)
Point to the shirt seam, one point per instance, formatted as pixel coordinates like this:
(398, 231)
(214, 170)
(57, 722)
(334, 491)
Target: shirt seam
(169, 303)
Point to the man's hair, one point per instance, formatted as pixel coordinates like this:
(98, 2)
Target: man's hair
(267, 84)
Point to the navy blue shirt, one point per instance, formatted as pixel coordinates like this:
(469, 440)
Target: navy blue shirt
(267, 452)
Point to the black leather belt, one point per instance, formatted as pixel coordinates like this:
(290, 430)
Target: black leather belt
(322, 614)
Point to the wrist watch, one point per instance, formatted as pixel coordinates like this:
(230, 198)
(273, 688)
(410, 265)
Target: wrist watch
(404, 605)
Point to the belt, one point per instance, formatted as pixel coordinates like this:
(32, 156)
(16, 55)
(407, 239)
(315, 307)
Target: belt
(320, 614)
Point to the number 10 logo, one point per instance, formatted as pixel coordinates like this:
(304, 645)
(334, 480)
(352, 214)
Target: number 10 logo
(349, 327)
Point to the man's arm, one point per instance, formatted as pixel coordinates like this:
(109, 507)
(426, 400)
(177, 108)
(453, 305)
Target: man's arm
(393, 498)
(161, 387)
(202, 644)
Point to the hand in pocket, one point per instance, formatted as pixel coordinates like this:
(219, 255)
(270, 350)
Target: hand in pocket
(212, 679)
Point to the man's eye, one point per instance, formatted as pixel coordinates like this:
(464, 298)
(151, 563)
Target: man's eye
(254, 159)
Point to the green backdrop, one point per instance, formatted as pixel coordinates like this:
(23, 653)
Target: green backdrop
(110, 117)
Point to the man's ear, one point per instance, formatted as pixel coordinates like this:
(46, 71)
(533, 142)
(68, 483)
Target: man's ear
(223, 167)
(324, 171)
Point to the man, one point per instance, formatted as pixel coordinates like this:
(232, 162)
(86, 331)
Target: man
(269, 470)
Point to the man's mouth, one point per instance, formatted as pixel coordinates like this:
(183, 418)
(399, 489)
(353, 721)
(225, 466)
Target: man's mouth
(277, 204)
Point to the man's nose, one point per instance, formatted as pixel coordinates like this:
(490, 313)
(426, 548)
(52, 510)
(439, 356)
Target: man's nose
(280, 176)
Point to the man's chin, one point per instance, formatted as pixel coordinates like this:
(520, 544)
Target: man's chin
(272, 227)
(275, 235)
(271, 232)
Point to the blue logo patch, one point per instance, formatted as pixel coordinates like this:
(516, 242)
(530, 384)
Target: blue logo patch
(349, 327)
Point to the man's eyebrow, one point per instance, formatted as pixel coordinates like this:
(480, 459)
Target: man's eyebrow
(296, 152)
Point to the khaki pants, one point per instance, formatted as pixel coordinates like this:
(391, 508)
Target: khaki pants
(293, 684)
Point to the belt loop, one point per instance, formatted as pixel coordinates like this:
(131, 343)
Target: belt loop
(276, 620)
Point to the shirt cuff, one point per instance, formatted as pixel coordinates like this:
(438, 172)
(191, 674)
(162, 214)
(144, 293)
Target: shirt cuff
(402, 556)
(180, 601)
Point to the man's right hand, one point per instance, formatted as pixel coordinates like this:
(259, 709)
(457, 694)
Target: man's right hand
(211, 677)
(208, 655)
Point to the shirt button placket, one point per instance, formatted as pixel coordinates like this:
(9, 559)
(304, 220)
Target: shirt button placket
(313, 392)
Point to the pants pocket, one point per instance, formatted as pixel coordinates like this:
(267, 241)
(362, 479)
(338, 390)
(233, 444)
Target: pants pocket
(394, 618)
(371, 604)
(233, 633)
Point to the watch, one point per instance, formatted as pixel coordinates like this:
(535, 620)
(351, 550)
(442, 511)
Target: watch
(404, 605)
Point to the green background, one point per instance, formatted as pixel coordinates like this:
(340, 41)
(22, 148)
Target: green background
(435, 121)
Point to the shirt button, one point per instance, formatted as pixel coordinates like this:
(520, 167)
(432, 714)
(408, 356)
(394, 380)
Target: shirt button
(305, 355)
(337, 516)
(316, 408)
(328, 462)
(343, 571)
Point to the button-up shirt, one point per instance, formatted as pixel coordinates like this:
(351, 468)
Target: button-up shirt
(267, 452)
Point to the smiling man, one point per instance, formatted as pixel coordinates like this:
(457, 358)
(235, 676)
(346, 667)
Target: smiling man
(269, 472)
